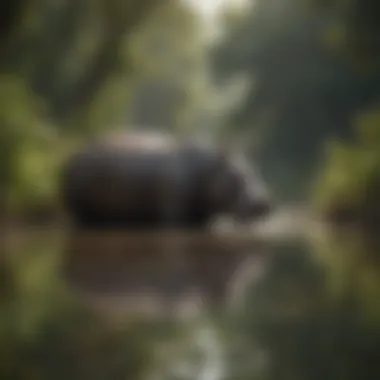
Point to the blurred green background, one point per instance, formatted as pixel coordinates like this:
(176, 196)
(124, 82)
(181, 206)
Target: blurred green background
(297, 80)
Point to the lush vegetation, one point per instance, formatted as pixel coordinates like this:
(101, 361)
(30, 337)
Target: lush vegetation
(307, 87)
(297, 81)
(309, 71)
(347, 189)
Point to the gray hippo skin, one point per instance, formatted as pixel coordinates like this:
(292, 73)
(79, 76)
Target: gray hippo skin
(142, 180)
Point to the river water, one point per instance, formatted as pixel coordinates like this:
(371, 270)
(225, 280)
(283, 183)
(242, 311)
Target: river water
(297, 300)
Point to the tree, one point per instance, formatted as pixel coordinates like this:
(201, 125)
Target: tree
(68, 49)
(357, 22)
(170, 86)
(348, 184)
(57, 63)
(302, 91)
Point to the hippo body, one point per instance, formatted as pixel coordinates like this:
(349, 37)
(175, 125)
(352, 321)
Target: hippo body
(142, 180)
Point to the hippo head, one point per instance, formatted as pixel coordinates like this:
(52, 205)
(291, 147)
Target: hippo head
(238, 189)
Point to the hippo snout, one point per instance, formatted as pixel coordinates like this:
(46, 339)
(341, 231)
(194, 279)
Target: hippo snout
(260, 209)
(255, 209)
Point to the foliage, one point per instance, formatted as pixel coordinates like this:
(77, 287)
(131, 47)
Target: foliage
(348, 185)
(302, 89)
(22, 132)
(358, 24)
(170, 86)
(76, 68)
(67, 49)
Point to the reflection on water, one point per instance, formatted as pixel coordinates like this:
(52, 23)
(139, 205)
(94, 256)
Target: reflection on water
(314, 315)
(299, 309)
(162, 274)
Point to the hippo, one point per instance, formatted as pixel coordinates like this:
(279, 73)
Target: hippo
(147, 179)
